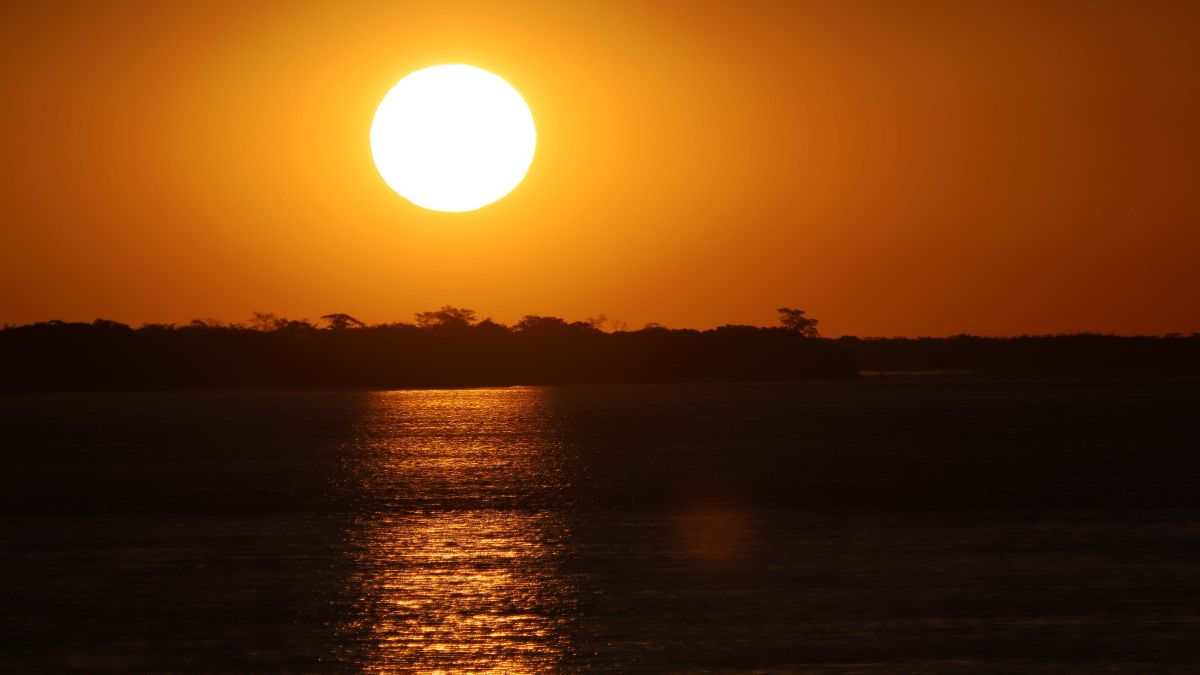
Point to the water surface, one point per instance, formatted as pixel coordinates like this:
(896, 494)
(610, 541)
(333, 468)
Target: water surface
(851, 527)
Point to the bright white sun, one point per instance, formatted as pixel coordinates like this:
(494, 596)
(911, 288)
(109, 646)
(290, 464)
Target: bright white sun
(452, 138)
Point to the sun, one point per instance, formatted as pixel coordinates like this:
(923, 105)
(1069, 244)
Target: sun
(453, 138)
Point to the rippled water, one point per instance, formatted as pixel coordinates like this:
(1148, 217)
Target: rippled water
(457, 553)
(857, 527)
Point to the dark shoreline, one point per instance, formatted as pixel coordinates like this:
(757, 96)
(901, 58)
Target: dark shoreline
(108, 356)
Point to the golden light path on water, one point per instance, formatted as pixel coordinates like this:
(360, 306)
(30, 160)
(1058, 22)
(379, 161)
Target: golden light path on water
(457, 555)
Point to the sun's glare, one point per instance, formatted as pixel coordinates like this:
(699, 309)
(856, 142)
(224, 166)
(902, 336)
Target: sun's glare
(453, 138)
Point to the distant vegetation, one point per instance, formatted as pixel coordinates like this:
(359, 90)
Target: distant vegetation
(446, 347)
(450, 347)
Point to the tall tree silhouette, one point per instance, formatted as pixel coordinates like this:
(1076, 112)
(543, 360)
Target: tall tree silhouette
(343, 321)
(446, 317)
(795, 321)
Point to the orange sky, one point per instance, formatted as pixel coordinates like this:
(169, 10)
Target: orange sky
(894, 168)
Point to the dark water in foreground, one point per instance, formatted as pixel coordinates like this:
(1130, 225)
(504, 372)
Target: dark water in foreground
(855, 527)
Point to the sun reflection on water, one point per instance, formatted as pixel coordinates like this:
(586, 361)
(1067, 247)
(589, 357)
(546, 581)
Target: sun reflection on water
(456, 556)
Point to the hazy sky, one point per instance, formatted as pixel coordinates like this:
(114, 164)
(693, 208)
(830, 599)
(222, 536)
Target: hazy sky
(895, 168)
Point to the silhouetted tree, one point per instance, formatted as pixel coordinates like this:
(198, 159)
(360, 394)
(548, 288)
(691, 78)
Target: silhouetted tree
(446, 317)
(343, 321)
(488, 326)
(532, 322)
(264, 321)
(794, 320)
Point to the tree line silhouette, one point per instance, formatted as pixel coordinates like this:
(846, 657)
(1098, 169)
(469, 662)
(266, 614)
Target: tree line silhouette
(447, 347)
(451, 347)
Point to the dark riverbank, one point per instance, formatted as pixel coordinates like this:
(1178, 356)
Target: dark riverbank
(105, 355)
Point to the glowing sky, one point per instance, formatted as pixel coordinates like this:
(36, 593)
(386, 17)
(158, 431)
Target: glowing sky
(893, 168)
